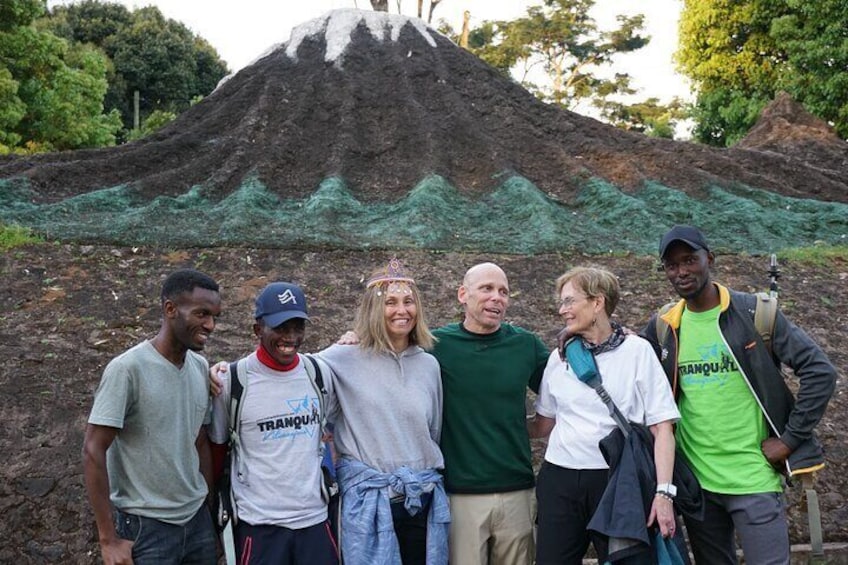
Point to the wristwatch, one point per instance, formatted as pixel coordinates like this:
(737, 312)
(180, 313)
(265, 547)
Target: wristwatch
(667, 489)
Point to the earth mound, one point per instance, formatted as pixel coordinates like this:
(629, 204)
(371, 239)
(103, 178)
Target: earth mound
(382, 101)
(785, 127)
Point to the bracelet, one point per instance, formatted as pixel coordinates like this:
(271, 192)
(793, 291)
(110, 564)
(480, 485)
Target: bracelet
(666, 496)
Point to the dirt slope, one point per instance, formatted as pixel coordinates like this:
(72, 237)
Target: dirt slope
(67, 310)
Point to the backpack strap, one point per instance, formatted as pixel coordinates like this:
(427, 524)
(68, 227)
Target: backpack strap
(585, 367)
(236, 393)
(765, 315)
(662, 325)
(238, 387)
(313, 370)
(329, 486)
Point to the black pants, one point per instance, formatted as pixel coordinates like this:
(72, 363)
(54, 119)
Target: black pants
(567, 499)
(411, 532)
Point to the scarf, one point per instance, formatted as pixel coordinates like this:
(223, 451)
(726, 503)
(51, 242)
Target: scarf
(614, 340)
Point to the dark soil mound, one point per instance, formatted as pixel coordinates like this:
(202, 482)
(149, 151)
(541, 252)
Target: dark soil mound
(397, 104)
(786, 127)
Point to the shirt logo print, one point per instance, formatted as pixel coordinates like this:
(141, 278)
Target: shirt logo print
(302, 419)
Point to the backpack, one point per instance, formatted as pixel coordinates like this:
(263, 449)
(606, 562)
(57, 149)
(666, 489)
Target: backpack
(765, 315)
(238, 384)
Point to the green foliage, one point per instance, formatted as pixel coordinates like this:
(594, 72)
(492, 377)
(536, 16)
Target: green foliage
(12, 109)
(13, 235)
(51, 92)
(723, 116)
(739, 54)
(648, 117)
(151, 123)
(14, 13)
(814, 38)
(564, 40)
(159, 57)
(817, 255)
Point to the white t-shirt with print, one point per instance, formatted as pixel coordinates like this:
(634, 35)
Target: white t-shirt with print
(276, 477)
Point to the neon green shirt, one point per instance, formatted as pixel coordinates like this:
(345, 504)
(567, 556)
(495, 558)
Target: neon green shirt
(721, 425)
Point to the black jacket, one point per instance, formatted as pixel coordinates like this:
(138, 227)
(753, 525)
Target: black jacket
(623, 510)
(789, 418)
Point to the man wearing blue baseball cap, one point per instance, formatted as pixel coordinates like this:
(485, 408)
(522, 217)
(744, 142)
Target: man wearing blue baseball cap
(276, 474)
(740, 426)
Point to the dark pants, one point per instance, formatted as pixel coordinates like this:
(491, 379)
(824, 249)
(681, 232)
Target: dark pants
(411, 532)
(567, 499)
(759, 519)
(276, 545)
(159, 543)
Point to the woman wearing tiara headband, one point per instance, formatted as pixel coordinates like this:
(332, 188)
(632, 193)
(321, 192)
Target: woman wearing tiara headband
(387, 412)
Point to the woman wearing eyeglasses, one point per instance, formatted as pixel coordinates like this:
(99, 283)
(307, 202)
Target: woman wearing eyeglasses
(574, 473)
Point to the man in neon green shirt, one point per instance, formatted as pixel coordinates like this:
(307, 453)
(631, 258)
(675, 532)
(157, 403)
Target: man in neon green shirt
(740, 425)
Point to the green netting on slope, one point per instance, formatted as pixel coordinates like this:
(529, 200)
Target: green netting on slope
(515, 218)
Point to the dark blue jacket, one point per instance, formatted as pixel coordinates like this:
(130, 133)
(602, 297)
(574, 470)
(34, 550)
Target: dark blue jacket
(623, 510)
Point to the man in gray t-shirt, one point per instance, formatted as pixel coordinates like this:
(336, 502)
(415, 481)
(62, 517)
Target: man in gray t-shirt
(146, 453)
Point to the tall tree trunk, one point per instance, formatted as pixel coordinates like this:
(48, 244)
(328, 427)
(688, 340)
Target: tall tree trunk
(420, 8)
(433, 4)
(463, 38)
(380, 5)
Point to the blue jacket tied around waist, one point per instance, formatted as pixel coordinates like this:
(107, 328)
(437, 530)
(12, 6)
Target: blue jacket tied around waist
(368, 535)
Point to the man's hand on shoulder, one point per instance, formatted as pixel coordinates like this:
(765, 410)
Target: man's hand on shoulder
(216, 385)
(776, 452)
(349, 338)
(116, 551)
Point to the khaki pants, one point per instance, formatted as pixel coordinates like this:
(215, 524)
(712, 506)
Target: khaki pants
(492, 529)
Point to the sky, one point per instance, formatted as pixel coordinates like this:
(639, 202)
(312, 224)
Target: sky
(243, 30)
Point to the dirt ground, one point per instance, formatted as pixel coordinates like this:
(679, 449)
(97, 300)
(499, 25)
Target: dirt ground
(67, 310)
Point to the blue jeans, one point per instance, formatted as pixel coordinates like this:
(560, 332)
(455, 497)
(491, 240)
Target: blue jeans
(159, 543)
(759, 519)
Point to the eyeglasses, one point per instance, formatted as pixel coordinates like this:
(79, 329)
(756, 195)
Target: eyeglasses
(568, 302)
(689, 261)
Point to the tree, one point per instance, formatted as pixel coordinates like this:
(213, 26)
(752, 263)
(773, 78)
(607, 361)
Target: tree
(51, 92)
(813, 36)
(159, 57)
(648, 117)
(562, 38)
(740, 53)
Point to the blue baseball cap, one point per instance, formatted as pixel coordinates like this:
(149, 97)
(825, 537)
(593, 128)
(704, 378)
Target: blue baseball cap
(279, 302)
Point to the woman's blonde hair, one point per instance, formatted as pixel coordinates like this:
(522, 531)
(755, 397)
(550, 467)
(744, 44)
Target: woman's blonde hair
(593, 282)
(370, 322)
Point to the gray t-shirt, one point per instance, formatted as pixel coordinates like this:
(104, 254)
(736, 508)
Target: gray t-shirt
(276, 473)
(153, 465)
(387, 408)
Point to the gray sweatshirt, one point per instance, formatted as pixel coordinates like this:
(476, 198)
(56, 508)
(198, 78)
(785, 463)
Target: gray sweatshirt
(386, 407)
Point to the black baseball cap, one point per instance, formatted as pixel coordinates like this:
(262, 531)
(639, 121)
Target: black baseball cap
(689, 235)
(279, 302)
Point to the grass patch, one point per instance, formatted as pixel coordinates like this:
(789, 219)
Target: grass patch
(13, 235)
(819, 255)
